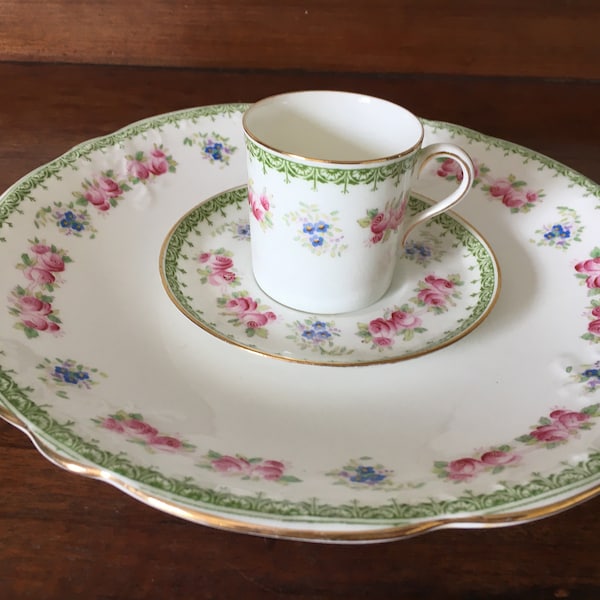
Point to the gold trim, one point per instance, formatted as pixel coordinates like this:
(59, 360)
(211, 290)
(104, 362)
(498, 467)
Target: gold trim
(376, 534)
(379, 361)
(325, 161)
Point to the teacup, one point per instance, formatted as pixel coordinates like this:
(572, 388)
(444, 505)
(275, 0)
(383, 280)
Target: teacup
(329, 176)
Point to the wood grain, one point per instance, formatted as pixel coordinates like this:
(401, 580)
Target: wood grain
(557, 39)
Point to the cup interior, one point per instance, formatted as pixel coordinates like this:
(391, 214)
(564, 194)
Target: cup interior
(332, 126)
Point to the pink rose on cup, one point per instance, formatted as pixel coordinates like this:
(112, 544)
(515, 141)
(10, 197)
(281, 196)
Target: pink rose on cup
(51, 261)
(569, 419)
(40, 248)
(380, 222)
(32, 305)
(113, 425)
(594, 327)
(463, 469)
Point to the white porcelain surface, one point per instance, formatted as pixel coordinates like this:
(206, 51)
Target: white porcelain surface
(111, 380)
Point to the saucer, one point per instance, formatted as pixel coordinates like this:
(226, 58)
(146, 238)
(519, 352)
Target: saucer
(112, 381)
(445, 285)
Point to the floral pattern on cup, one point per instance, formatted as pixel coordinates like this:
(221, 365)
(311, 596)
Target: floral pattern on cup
(563, 232)
(560, 426)
(588, 374)
(246, 468)
(68, 373)
(513, 192)
(217, 268)
(317, 231)
(239, 230)
(382, 223)
(493, 460)
(136, 430)
(588, 271)
(32, 303)
(215, 148)
(244, 311)
(260, 207)
(317, 336)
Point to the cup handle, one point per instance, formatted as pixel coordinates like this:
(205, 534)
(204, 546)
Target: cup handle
(425, 156)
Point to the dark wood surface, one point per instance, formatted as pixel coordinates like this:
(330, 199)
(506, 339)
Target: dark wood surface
(541, 38)
(63, 536)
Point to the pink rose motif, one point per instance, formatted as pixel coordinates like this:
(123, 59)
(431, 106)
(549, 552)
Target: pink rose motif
(37, 322)
(514, 198)
(381, 326)
(264, 202)
(271, 470)
(596, 311)
(204, 257)
(40, 248)
(138, 169)
(432, 297)
(379, 222)
(590, 267)
(404, 320)
(594, 327)
(569, 419)
(158, 164)
(499, 458)
(375, 239)
(450, 168)
(221, 277)
(31, 305)
(222, 263)
(554, 432)
(165, 442)
(96, 196)
(39, 276)
(440, 284)
(532, 196)
(257, 212)
(110, 187)
(231, 464)
(500, 187)
(397, 216)
(52, 262)
(113, 424)
(242, 305)
(139, 428)
(463, 469)
(255, 320)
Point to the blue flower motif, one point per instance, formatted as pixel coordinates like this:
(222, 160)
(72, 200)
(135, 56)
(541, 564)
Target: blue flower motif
(69, 221)
(68, 376)
(317, 240)
(591, 373)
(308, 228)
(308, 334)
(321, 226)
(244, 230)
(214, 150)
(368, 475)
(558, 231)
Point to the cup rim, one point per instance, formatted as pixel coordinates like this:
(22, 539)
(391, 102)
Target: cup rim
(294, 156)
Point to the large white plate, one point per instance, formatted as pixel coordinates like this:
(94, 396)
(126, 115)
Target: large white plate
(110, 380)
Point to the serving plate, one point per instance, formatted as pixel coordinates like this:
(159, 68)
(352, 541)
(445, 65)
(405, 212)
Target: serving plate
(111, 380)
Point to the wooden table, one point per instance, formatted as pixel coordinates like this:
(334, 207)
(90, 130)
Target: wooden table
(64, 536)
